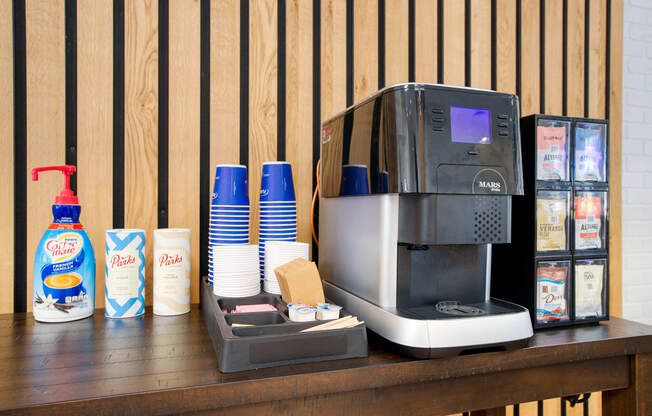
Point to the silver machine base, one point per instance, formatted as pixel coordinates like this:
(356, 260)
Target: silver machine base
(434, 338)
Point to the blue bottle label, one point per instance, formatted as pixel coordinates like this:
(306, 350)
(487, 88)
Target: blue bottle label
(64, 276)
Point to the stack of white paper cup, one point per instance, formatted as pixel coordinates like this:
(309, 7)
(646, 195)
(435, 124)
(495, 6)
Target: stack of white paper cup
(171, 271)
(236, 270)
(277, 253)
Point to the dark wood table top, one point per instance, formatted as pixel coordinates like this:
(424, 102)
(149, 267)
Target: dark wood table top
(167, 364)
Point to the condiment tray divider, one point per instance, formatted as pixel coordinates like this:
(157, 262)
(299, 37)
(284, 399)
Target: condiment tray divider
(270, 339)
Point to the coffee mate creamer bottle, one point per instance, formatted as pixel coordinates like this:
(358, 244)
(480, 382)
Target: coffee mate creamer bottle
(64, 265)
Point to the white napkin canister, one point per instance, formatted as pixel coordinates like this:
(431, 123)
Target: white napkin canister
(171, 271)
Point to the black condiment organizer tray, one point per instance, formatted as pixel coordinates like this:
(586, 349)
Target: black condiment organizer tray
(273, 340)
(514, 266)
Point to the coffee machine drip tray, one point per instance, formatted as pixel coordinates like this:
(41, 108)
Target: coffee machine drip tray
(457, 310)
(444, 329)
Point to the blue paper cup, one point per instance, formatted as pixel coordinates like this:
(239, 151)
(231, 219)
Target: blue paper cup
(354, 180)
(219, 212)
(230, 207)
(227, 237)
(227, 232)
(231, 185)
(278, 236)
(278, 212)
(234, 221)
(229, 225)
(278, 205)
(276, 183)
(228, 242)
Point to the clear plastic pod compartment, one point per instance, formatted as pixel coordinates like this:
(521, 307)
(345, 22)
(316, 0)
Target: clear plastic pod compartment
(590, 286)
(590, 220)
(552, 220)
(590, 147)
(552, 291)
(552, 150)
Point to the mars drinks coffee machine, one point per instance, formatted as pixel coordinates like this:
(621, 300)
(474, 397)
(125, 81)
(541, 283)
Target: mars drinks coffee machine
(416, 185)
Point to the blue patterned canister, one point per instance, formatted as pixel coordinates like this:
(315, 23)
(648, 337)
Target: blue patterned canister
(125, 273)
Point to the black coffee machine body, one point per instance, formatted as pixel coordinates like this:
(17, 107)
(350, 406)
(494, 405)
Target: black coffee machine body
(416, 186)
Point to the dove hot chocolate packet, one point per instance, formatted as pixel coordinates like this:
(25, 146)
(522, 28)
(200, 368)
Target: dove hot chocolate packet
(552, 278)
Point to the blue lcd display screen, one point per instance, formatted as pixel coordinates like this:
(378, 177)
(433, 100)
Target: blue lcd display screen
(470, 125)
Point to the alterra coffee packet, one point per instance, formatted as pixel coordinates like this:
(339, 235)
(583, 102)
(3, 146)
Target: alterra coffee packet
(588, 290)
(588, 221)
(589, 154)
(552, 157)
(551, 223)
(551, 293)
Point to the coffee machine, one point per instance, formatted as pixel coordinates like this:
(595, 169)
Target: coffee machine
(416, 185)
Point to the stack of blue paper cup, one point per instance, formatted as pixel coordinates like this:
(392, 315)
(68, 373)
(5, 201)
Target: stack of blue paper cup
(229, 216)
(278, 207)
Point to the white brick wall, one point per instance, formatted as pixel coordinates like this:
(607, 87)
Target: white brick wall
(637, 161)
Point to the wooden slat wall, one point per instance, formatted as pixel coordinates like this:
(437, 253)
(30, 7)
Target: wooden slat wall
(6, 158)
(575, 56)
(481, 44)
(184, 125)
(454, 30)
(263, 35)
(45, 106)
(425, 60)
(530, 64)
(506, 46)
(225, 84)
(141, 123)
(95, 126)
(396, 41)
(299, 103)
(365, 41)
(554, 50)
(46, 117)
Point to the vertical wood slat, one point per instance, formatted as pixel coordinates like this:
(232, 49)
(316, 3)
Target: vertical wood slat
(184, 124)
(530, 46)
(365, 66)
(554, 57)
(576, 410)
(396, 41)
(575, 70)
(141, 123)
(263, 98)
(528, 409)
(333, 57)
(552, 407)
(425, 45)
(225, 84)
(46, 87)
(454, 42)
(615, 159)
(597, 61)
(7, 158)
(95, 126)
(299, 108)
(481, 44)
(506, 46)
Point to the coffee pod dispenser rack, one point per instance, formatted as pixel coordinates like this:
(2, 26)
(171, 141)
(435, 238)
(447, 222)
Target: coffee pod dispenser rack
(557, 264)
